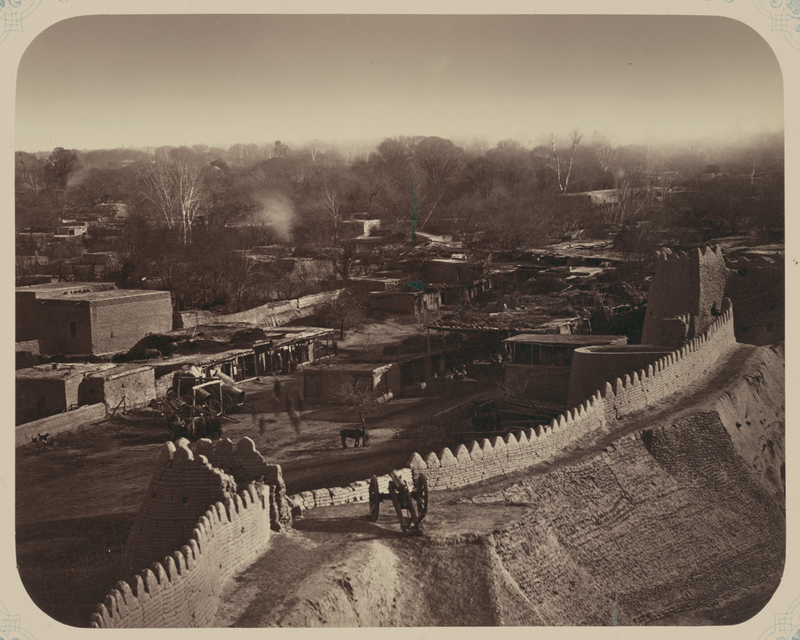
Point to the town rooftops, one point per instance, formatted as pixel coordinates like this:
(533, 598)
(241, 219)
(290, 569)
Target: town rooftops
(556, 339)
(199, 359)
(280, 336)
(338, 363)
(62, 371)
(62, 289)
(108, 297)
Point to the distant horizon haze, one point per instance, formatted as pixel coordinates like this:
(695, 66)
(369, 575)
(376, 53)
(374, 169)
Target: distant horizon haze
(105, 82)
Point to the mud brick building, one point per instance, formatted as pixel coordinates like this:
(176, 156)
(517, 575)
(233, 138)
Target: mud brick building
(539, 365)
(690, 283)
(84, 320)
(321, 383)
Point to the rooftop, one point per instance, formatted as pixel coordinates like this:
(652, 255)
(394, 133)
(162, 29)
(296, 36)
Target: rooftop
(59, 289)
(339, 363)
(103, 297)
(565, 339)
(62, 371)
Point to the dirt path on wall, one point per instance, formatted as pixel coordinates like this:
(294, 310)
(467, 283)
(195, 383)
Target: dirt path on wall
(452, 558)
(332, 545)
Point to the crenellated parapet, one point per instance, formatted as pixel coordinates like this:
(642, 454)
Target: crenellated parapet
(355, 492)
(632, 392)
(488, 458)
(241, 460)
(183, 589)
(245, 464)
(196, 527)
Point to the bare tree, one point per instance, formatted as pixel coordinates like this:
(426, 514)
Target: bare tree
(30, 173)
(357, 396)
(564, 173)
(630, 197)
(314, 147)
(438, 160)
(332, 207)
(174, 186)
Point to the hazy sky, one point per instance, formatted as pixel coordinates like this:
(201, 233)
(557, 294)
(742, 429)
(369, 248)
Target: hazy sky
(109, 81)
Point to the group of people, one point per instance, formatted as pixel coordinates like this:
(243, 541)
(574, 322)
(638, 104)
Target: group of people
(284, 400)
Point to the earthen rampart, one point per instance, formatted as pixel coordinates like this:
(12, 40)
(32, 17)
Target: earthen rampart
(489, 458)
(633, 392)
(203, 527)
(183, 589)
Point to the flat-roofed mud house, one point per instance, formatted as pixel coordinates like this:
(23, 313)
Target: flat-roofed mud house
(46, 390)
(406, 302)
(322, 383)
(539, 365)
(86, 319)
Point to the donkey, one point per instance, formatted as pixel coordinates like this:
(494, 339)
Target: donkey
(359, 435)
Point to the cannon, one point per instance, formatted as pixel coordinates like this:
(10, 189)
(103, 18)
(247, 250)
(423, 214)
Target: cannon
(414, 502)
(198, 413)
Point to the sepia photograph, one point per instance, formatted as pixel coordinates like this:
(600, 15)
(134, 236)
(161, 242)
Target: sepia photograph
(370, 319)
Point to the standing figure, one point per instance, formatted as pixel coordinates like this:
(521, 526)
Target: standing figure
(293, 416)
(279, 363)
(276, 392)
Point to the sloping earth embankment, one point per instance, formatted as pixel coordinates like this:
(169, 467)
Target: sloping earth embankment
(675, 523)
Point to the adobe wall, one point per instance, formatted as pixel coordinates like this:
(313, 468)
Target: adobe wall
(272, 314)
(539, 382)
(199, 546)
(633, 392)
(59, 423)
(132, 389)
(36, 397)
(593, 366)
(685, 283)
(117, 325)
(355, 492)
(50, 320)
(489, 458)
(31, 346)
(397, 302)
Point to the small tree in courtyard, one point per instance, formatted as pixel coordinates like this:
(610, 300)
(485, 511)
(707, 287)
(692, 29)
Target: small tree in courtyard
(357, 396)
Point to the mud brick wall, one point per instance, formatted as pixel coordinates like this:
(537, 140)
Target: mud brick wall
(164, 384)
(50, 320)
(117, 325)
(272, 314)
(488, 458)
(685, 283)
(226, 535)
(132, 389)
(179, 493)
(246, 465)
(59, 423)
(354, 492)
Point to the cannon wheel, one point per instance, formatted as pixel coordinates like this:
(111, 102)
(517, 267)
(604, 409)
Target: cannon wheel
(421, 495)
(374, 499)
(214, 406)
(397, 506)
(228, 404)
